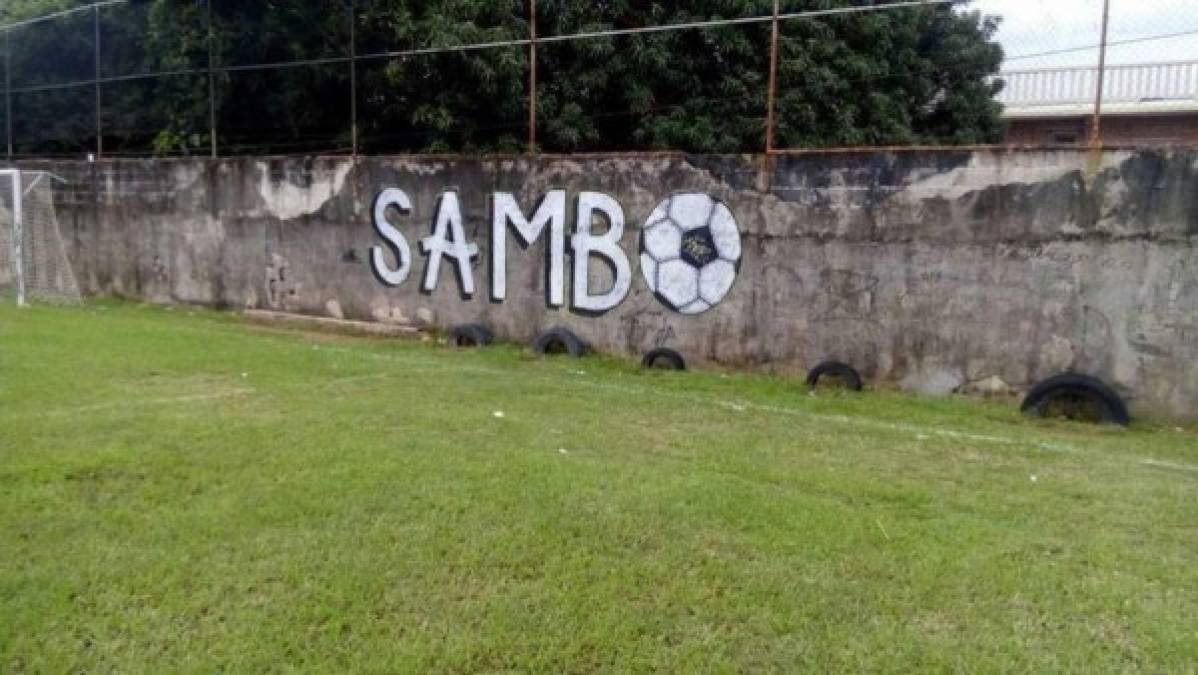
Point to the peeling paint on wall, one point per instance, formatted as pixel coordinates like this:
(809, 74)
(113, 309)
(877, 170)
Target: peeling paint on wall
(297, 192)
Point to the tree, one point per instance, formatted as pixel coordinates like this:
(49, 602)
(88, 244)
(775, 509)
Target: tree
(897, 76)
(44, 55)
(912, 75)
(470, 101)
(890, 78)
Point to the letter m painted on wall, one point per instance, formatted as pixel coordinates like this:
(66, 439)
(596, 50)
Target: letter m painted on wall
(550, 212)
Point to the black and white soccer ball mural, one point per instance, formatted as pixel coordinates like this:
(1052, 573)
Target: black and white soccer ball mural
(690, 252)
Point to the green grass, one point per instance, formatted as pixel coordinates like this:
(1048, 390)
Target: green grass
(181, 491)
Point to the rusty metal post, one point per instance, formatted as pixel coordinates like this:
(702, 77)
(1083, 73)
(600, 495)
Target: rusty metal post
(99, 100)
(211, 84)
(772, 97)
(1096, 125)
(532, 77)
(8, 87)
(353, 75)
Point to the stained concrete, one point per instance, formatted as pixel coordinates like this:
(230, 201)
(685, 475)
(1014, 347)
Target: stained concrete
(940, 272)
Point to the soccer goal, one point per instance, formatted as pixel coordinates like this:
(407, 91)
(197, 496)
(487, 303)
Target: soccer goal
(33, 258)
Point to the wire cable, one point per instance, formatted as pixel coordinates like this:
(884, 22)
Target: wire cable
(66, 12)
(1111, 43)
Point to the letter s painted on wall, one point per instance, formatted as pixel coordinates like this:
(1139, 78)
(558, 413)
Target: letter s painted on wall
(397, 244)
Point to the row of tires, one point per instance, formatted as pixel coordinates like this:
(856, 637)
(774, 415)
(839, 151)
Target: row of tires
(1068, 394)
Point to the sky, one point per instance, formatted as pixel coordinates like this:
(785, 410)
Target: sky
(1036, 26)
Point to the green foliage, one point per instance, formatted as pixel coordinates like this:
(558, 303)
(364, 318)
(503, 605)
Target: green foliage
(698, 90)
(889, 78)
(51, 121)
(472, 101)
(913, 75)
(18, 10)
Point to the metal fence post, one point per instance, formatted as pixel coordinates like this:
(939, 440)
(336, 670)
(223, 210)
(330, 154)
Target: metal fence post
(353, 75)
(99, 100)
(771, 98)
(532, 77)
(1096, 125)
(8, 88)
(211, 85)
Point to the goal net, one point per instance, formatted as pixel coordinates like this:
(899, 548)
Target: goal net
(33, 256)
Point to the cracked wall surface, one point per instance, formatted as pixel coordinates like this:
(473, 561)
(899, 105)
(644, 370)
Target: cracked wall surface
(939, 272)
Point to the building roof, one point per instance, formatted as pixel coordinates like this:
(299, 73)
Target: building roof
(1162, 88)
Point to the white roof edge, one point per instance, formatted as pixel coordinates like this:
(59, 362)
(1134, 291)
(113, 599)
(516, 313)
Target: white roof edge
(1017, 112)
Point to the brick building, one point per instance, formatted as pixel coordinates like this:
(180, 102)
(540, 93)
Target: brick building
(1143, 104)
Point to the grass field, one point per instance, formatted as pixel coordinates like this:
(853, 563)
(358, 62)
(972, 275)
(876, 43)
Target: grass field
(181, 491)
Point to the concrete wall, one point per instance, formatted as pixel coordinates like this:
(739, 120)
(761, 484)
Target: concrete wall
(935, 271)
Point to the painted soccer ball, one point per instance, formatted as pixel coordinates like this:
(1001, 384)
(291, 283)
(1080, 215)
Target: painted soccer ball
(690, 252)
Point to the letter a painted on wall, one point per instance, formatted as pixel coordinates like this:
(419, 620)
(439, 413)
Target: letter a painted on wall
(448, 222)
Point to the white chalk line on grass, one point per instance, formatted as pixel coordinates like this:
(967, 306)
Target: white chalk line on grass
(738, 406)
(126, 403)
(130, 403)
(1169, 465)
(741, 406)
(421, 364)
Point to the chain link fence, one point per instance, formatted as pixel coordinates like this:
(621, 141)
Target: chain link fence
(225, 77)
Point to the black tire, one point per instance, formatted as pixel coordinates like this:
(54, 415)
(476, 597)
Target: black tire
(850, 377)
(673, 358)
(1074, 389)
(558, 340)
(472, 335)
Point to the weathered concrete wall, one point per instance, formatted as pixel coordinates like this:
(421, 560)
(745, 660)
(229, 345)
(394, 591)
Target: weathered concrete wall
(931, 270)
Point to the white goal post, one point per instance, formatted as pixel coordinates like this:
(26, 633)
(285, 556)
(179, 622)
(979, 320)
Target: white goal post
(12, 230)
(33, 257)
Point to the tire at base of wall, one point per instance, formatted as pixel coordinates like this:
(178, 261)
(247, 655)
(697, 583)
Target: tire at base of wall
(571, 343)
(1114, 410)
(664, 354)
(472, 335)
(846, 373)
